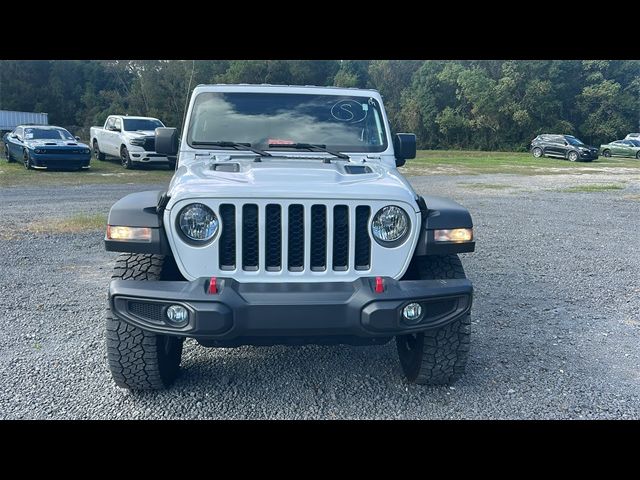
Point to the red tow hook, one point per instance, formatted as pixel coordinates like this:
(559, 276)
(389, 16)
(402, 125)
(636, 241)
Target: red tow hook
(379, 285)
(213, 286)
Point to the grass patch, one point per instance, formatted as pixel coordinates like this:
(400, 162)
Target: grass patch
(108, 171)
(74, 224)
(594, 187)
(461, 162)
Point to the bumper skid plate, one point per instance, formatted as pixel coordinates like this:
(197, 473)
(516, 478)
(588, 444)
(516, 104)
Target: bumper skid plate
(243, 310)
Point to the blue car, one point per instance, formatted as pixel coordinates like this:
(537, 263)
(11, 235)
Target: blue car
(44, 146)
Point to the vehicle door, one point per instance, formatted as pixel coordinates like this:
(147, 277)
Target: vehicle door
(555, 146)
(618, 148)
(15, 142)
(117, 137)
(110, 137)
(627, 149)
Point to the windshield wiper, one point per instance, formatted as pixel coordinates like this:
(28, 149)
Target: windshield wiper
(309, 146)
(236, 145)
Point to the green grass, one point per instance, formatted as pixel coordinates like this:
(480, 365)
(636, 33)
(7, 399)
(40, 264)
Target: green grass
(109, 171)
(460, 162)
(594, 187)
(73, 224)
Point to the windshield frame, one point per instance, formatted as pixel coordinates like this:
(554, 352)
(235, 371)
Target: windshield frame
(381, 122)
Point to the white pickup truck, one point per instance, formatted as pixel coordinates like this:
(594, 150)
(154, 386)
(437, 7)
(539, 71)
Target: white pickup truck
(131, 139)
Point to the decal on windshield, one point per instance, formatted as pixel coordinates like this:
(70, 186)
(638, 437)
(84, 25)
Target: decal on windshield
(350, 111)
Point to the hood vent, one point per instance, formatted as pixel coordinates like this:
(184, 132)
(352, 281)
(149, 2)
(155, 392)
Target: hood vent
(50, 143)
(357, 169)
(227, 167)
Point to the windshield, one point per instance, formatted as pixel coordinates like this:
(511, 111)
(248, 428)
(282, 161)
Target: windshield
(133, 124)
(47, 134)
(636, 143)
(574, 141)
(337, 122)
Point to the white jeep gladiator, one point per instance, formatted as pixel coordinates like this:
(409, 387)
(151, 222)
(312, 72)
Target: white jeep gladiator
(287, 222)
(131, 139)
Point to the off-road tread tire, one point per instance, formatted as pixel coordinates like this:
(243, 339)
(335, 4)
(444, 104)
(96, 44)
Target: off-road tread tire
(442, 353)
(137, 358)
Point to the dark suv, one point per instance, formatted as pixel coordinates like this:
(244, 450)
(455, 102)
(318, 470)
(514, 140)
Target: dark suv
(563, 146)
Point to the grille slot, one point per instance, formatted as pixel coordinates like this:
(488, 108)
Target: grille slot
(227, 251)
(147, 311)
(273, 238)
(296, 238)
(318, 238)
(363, 241)
(340, 237)
(250, 237)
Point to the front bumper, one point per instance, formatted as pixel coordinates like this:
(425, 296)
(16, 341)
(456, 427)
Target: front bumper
(240, 311)
(588, 156)
(60, 161)
(142, 156)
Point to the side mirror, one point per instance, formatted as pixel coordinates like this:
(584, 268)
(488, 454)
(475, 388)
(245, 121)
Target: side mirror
(77, 139)
(167, 141)
(566, 143)
(404, 146)
(13, 135)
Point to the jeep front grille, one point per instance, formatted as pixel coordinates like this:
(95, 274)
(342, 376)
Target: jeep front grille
(295, 237)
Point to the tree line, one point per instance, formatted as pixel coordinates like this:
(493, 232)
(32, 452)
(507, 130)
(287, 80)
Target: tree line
(460, 104)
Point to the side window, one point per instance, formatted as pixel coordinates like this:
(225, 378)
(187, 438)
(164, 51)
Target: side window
(118, 124)
(19, 132)
(558, 140)
(109, 123)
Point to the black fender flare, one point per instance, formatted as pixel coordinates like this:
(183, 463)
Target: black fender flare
(441, 213)
(141, 209)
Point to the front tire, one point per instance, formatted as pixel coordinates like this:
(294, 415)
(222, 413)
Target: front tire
(97, 153)
(125, 158)
(141, 360)
(26, 159)
(437, 356)
(573, 156)
(537, 152)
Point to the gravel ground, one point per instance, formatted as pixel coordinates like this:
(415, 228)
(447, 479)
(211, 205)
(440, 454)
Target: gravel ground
(555, 322)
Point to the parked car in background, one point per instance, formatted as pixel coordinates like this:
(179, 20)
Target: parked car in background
(43, 146)
(563, 146)
(633, 136)
(131, 139)
(621, 148)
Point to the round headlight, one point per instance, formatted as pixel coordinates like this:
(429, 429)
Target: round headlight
(390, 226)
(198, 222)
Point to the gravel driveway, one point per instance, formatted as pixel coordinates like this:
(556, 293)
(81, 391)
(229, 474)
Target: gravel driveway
(555, 329)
